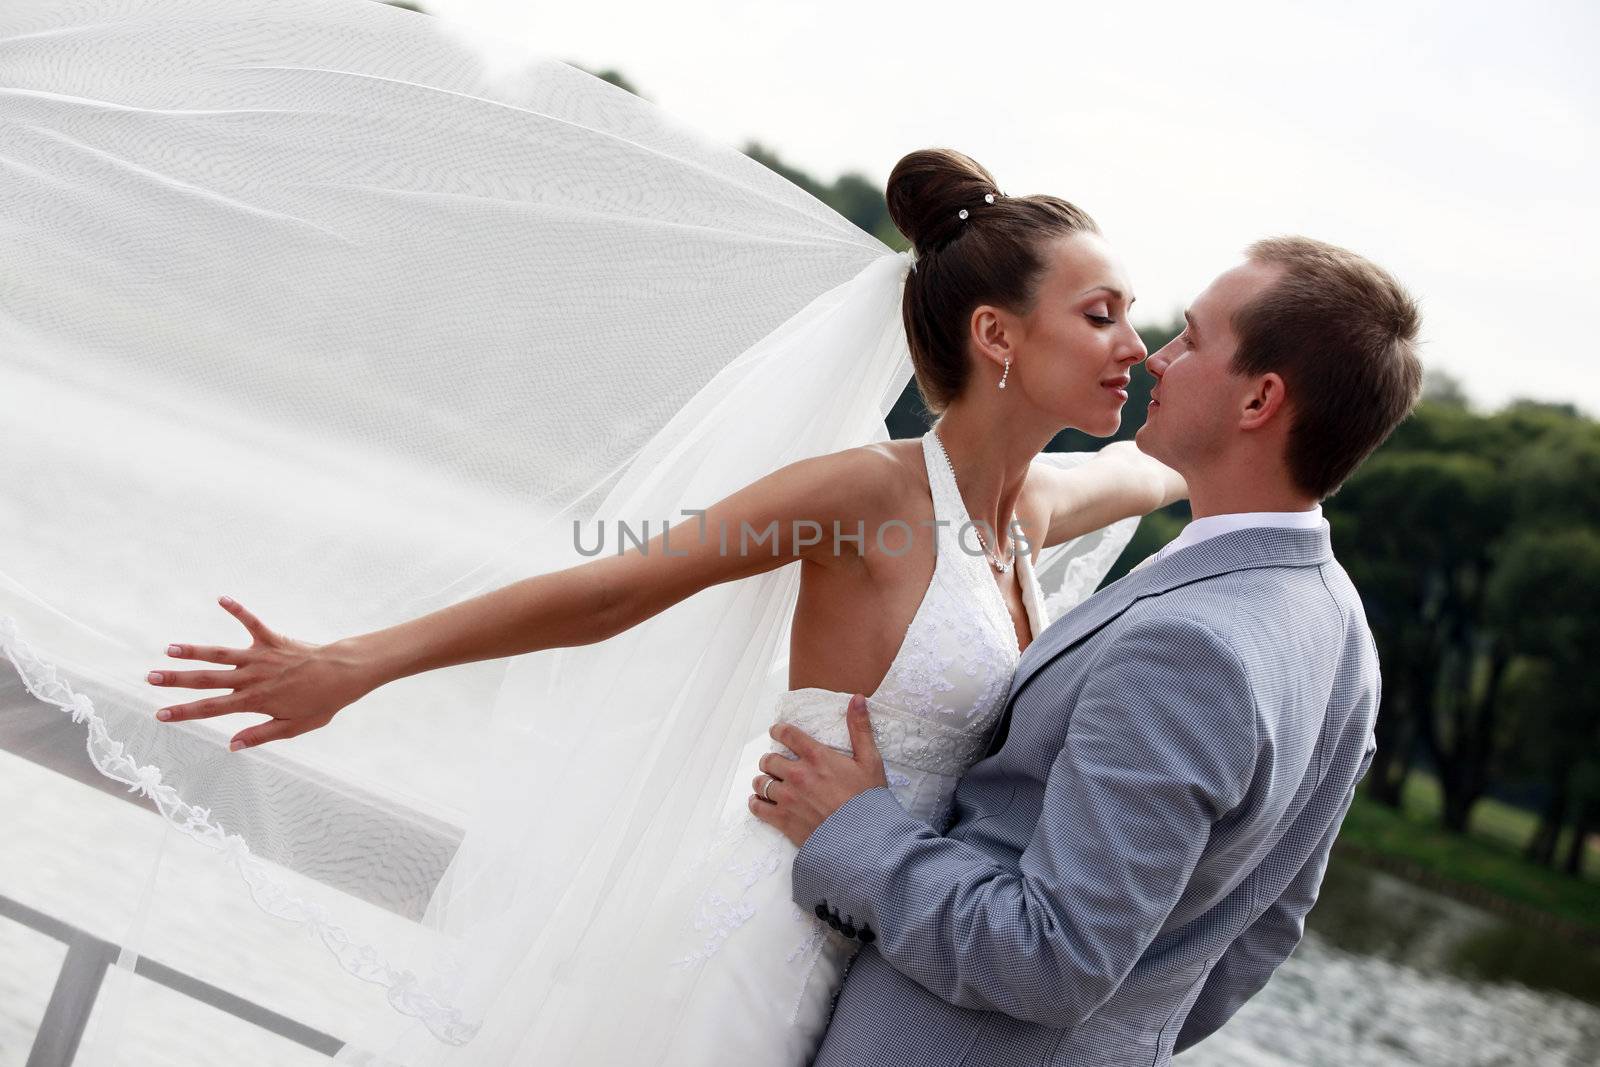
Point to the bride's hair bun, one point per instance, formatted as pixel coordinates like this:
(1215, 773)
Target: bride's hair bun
(927, 191)
(996, 255)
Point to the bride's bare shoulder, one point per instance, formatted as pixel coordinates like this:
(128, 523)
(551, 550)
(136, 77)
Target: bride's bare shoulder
(865, 482)
(882, 474)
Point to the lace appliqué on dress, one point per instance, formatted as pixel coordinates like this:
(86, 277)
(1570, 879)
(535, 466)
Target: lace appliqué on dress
(718, 914)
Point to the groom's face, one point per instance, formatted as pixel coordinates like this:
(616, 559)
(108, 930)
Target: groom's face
(1198, 400)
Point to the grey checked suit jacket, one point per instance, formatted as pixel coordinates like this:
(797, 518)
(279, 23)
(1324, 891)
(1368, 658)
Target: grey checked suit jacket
(1138, 856)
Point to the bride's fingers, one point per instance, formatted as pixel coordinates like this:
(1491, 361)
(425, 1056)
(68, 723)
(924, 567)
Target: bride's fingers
(195, 679)
(200, 709)
(276, 730)
(209, 653)
(257, 628)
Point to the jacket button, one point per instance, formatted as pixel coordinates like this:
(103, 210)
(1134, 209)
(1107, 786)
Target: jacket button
(822, 910)
(867, 935)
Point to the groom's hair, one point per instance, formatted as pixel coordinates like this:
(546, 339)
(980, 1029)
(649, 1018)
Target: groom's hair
(1342, 333)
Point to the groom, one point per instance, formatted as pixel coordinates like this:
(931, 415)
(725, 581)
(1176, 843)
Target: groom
(1137, 853)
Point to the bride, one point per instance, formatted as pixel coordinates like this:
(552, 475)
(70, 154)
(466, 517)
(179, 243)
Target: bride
(1017, 318)
(301, 299)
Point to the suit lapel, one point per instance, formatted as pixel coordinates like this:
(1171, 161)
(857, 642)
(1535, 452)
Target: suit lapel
(1254, 547)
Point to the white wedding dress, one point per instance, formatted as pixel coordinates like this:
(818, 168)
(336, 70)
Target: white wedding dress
(767, 970)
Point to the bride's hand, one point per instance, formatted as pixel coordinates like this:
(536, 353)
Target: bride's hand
(301, 685)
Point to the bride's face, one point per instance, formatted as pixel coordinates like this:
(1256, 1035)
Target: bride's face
(1076, 349)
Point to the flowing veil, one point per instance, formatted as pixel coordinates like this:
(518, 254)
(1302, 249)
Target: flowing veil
(300, 303)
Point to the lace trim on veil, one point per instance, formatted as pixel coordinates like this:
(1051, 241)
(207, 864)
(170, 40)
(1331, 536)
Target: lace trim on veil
(269, 892)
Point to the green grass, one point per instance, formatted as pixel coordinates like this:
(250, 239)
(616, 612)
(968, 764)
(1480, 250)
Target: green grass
(1491, 820)
(1488, 858)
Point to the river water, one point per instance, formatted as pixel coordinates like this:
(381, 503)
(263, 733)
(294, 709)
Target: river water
(1390, 974)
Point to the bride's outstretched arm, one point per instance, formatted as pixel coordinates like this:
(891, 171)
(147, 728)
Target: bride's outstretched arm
(303, 685)
(1118, 483)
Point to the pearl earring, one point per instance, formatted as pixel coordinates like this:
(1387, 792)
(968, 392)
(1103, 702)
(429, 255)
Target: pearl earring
(1005, 372)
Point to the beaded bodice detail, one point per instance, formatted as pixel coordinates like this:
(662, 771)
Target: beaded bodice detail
(946, 686)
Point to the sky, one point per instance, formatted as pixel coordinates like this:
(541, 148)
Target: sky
(1453, 143)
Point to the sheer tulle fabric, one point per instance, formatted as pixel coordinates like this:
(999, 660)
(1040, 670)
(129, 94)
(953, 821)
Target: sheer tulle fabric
(301, 304)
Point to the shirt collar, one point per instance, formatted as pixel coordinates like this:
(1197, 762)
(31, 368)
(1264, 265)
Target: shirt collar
(1217, 525)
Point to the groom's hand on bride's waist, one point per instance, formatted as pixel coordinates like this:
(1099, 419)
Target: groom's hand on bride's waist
(797, 794)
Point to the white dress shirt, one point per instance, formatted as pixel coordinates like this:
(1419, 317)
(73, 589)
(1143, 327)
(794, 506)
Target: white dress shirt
(1217, 525)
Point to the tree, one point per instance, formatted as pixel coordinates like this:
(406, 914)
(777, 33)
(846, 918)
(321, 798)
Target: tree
(1421, 528)
(1556, 478)
(1545, 596)
(1415, 529)
(1442, 390)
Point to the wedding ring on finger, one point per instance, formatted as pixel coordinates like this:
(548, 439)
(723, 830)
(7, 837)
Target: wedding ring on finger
(765, 795)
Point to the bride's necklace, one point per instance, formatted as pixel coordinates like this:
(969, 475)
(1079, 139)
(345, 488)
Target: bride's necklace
(1001, 567)
(1011, 557)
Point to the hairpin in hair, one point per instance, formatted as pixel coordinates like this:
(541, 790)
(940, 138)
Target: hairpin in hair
(988, 198)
